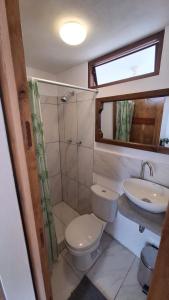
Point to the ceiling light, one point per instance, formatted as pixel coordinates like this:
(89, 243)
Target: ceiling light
(73, 33)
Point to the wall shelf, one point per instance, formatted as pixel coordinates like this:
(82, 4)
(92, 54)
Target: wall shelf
(150, 221)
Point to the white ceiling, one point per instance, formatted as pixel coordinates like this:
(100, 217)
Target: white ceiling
(111, 24)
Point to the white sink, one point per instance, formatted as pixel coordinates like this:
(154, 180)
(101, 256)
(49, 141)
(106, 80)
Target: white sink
(147, 195)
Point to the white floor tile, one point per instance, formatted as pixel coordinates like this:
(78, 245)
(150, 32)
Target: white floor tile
(64, 280)
(105, 242)
(111, 268)
(68, 258)
(64, 213)
(131, 289)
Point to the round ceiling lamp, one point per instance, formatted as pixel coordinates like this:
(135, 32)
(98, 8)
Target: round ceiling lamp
(73, 33)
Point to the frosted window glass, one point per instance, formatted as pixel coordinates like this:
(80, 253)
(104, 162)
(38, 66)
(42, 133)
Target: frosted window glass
(139, 63)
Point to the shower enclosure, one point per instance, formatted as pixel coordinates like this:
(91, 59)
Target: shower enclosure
(68, 122)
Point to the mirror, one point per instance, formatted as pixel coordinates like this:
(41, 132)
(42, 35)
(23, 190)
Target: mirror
(137, 120)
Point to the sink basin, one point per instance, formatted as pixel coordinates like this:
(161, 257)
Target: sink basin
(147, 195)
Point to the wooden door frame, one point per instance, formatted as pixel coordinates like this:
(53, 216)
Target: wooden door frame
(159, 289)
(17, 114)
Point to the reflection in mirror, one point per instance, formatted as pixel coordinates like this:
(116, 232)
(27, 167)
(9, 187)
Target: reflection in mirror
(141, 121)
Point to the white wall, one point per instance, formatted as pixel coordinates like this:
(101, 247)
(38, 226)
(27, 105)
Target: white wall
(165, 121)
(44, 89)
(107, 120)
(77, 75)
(14, 266)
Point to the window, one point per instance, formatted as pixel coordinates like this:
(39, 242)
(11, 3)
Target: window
(138, 60)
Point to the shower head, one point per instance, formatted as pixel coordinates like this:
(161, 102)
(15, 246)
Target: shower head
(65, 98)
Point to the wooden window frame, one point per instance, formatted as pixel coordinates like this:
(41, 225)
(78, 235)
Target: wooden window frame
(153, 40)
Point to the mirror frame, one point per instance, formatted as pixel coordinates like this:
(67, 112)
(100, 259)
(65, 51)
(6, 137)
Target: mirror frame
(135, 96)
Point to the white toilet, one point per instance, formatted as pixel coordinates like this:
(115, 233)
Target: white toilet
(83, 234)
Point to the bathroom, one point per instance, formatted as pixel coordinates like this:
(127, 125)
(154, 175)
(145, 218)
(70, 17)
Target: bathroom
(96, 234)
(75, 162)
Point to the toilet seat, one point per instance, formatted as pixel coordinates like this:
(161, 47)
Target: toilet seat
(84, 232)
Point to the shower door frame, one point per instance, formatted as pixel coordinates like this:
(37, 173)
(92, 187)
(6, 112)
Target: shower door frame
(17, 113)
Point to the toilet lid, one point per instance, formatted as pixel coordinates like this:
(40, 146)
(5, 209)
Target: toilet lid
(84, 231)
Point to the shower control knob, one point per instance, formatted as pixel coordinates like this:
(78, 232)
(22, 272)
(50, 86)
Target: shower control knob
(79, 143)
(69, 141)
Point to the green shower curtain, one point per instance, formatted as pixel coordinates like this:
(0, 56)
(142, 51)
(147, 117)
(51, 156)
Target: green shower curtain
(43, 173)
(124, 115)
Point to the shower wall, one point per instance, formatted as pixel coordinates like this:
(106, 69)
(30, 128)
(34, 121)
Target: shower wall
(69, 143)
(76, 134)
(49, 109)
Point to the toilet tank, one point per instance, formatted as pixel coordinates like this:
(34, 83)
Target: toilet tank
(104, 203)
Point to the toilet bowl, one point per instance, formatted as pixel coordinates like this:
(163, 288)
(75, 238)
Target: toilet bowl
(83, 234)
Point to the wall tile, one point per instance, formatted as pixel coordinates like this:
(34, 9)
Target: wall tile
(85, 166)
(61, 122)
(70, 122)
(50, 122)
(70, 191)
(84, 199)
(43, 99)
(86, 122)
(115, 166)
(52, 100)
(55, 189)
(160, 173)
(48, 100)
(53, 158)
(69, 160)
(120, 167)
(62, 91)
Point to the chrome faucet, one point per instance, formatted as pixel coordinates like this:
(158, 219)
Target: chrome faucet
(144, 163)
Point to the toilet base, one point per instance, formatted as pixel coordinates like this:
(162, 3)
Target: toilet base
(84, 262)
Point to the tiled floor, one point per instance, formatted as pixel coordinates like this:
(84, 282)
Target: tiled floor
(114, 273)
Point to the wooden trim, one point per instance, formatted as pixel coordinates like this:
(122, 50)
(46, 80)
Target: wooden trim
(144, 121)
(155, 39)
(122, 80)
(114, 118)
(135, 96)
(129, 145)
(157, 128)
(18, 121)
(159, 289)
